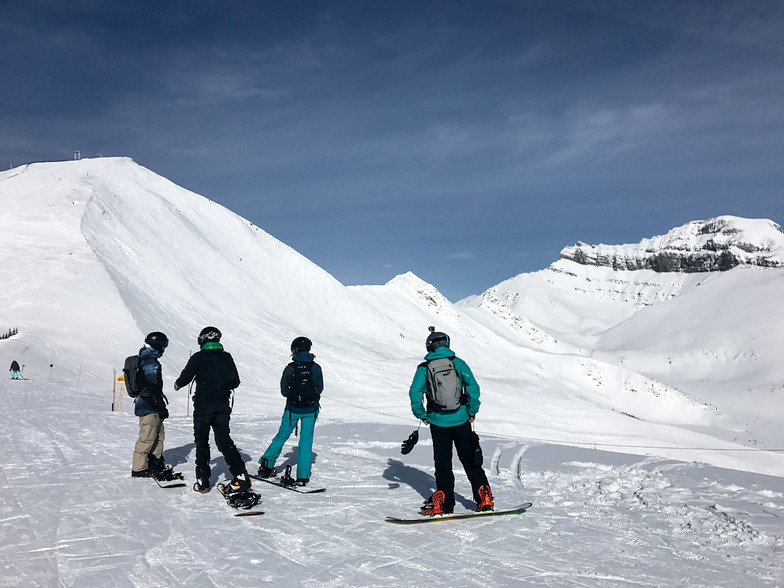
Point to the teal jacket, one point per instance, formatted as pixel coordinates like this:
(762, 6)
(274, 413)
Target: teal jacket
(419, 387)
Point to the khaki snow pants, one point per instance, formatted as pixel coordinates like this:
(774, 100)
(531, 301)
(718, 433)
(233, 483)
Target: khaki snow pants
(150, 441)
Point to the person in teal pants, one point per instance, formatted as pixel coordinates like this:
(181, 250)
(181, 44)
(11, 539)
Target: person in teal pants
(301, 384)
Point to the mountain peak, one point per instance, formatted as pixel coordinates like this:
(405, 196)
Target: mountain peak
(716, 244)
(422, 289)
(409, 278)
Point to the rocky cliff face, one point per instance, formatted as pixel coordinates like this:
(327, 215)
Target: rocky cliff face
(718, 244)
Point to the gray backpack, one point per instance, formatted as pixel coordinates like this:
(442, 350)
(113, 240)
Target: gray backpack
(445, 391)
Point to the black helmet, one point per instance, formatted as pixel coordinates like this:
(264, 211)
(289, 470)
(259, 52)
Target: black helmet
(209, 335)
(157, 341)
(436, 339)
(301, 344)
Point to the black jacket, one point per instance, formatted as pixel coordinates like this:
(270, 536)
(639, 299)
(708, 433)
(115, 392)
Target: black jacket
(215, 374)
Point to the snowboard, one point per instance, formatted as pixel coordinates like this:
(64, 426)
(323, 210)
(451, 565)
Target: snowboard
(250, 513)
(164, 484)
(463, 515)
(277, 482)
(175, 485)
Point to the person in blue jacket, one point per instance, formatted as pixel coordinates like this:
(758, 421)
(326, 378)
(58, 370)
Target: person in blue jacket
(150, 407)
(450, 426)
(301, 384)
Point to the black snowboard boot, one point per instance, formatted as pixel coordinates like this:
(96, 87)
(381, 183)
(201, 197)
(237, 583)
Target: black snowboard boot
(240, 483)
(264, 470)
(286, 479)
(161, 471)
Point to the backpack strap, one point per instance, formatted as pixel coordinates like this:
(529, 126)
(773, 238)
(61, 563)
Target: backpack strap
(430, 405)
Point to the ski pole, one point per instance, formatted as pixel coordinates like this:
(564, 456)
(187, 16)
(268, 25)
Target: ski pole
(188, 399)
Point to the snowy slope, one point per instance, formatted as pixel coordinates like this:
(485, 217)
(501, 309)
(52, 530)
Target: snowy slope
(104, 250)
(585, 370)
(711, 337)
(724, 339)
(72, 516)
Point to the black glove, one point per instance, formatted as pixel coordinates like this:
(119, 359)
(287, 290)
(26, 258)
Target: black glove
(176, 387)
(409, 443)
(163, 413)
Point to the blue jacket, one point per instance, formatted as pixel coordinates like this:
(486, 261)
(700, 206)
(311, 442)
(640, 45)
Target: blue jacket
(418, 389)
(318, 380)
(152, 400)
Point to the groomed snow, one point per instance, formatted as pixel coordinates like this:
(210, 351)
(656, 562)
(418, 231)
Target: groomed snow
(72, 516)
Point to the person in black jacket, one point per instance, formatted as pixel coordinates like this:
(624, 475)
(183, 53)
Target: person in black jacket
(14, 370)
(216, 377)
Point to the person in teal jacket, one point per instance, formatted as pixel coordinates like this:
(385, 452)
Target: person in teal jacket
(448, 427)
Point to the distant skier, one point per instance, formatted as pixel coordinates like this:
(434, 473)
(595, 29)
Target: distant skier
(150, 407)
(302, 383)
(452, 403)
(14, 370)
(216, 378)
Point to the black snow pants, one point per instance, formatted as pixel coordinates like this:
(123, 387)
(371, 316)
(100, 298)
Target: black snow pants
(443, 438)
(215, 417)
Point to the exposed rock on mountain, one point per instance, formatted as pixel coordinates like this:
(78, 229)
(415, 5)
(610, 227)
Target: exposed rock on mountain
(718, 244)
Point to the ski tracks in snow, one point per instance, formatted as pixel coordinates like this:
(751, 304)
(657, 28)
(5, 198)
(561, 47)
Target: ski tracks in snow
(655, 515)
(72, 515)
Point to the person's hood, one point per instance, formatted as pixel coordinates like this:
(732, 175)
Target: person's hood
(439, 353)
(148, 351)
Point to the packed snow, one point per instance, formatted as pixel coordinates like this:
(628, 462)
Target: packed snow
(72, 516)
(639, 412)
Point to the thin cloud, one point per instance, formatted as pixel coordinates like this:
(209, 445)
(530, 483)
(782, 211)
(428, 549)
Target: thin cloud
(519, 121)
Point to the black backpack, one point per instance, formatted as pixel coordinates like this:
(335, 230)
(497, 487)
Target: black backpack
(135, 383)
(302, 386)
(217, 375)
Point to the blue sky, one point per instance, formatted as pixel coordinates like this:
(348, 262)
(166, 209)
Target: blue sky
(464, 141)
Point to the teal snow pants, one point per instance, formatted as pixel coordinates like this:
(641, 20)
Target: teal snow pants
(305, 447)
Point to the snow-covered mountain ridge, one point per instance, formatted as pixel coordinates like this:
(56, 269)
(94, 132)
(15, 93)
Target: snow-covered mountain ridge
(717, 244)
(99, 252)
(611, 400)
